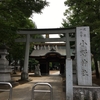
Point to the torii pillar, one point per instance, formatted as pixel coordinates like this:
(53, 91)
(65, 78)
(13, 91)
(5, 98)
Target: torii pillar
(24, 74)
(68, 66)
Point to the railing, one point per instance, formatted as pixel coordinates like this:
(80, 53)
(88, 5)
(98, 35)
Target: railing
(7, 90)
(41, 91)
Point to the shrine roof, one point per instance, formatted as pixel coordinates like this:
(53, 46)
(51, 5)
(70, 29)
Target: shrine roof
(43, 49)
(38, 53)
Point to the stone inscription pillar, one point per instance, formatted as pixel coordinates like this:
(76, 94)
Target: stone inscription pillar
(83, 56)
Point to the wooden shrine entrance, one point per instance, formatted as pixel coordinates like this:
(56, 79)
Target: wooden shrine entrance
(51, 56)
(51, 59)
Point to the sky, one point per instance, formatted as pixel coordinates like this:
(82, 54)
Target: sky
(51, 16)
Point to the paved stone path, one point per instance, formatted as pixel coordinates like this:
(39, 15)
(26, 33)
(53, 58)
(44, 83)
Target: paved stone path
(23, 91)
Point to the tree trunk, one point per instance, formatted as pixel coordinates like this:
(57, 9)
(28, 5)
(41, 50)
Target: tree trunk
(96, 67)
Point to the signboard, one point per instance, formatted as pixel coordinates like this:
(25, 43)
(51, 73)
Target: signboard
(83, 56)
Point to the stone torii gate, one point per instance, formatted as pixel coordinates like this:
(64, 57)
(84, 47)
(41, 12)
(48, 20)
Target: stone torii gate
(83, 55)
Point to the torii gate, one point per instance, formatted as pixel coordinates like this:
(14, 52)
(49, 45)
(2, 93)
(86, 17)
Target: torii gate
(83, 55)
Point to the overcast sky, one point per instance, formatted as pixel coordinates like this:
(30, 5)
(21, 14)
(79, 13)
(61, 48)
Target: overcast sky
(52, 15)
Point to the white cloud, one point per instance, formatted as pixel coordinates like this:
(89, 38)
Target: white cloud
(52, 15)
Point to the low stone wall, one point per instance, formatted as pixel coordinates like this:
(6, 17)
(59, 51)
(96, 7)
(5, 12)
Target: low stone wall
(83, 92)
(86, 92)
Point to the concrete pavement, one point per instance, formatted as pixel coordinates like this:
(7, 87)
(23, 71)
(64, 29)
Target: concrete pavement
(23, 91)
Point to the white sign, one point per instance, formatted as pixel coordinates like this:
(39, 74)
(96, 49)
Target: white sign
(83, 56)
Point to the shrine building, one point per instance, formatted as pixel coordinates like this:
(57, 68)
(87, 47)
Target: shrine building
(50, 52)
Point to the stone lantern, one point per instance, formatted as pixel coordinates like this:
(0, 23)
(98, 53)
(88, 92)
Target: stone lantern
(5, 70)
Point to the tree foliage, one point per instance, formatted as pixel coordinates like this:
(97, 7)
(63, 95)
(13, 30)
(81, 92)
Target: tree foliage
(85, 13)
(14, 14)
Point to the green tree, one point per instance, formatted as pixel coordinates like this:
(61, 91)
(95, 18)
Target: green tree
(14, 14)
(85, 13)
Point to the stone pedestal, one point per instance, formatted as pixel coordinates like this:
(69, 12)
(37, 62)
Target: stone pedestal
(5, 70)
